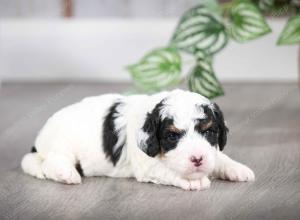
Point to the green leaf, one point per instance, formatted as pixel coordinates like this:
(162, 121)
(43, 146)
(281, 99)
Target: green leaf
(265, 5)
(200, 54)
(198, 29)
(246, 22)
(202, 80)
(158, 69)
(213, 6)
(291, 32)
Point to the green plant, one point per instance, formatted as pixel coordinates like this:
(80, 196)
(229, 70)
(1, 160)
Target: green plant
(202, 32)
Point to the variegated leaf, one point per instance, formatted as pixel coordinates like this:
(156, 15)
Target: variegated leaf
(291, 31)
(265, 5)
(246, 22)
(158, 69)
(202, 80)
(197, 30)
(212, 6)
(200, 54)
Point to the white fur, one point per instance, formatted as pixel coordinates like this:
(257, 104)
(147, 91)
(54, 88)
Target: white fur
(75, 134)
(228, 169)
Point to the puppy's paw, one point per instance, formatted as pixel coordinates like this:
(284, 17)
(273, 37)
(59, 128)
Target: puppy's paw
(40, 175)
(200, 184)
(68, 176)
(64, 174)
(237, 172)
(205, 183)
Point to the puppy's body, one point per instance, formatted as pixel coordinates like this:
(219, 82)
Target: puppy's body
(154, 138)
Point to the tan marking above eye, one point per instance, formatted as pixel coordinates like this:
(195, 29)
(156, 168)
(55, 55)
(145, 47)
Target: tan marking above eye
(174, 129)
(206, 126)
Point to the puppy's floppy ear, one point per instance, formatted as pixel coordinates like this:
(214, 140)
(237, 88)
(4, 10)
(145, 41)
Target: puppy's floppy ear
(223, 130)
(151, 127)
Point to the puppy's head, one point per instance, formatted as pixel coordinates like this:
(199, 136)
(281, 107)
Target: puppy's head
(182, 131)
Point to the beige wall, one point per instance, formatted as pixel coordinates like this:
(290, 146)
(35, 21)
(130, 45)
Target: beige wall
(94, 8)
(100, 49)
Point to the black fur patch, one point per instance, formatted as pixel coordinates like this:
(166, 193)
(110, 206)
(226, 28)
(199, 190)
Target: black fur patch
(210, 132)
(161, 138)
(151, 127)
(110, 136)
(168, 139)
(216, 133)
(79, 169)
(223, 130)
(33, 149)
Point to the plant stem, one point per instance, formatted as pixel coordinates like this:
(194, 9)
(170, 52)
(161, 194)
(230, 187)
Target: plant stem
(299, 66)
(189, 61)
(227, 5)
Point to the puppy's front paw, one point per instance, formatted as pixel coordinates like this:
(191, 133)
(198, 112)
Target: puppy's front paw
(237, 172)
(201, 184)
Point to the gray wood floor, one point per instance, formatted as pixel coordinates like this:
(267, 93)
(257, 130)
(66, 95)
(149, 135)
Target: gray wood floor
(265, 134)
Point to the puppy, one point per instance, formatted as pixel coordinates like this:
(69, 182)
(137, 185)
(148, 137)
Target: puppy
(173, 138)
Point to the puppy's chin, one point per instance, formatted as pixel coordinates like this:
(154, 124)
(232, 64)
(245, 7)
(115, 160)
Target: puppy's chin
(197, 173)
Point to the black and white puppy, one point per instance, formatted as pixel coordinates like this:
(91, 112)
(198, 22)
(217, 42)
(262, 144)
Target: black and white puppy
(171, 138)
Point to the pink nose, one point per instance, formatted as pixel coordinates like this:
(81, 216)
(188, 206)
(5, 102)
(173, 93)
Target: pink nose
(197, 161)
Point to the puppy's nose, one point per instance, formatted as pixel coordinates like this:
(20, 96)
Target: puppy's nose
(197, 161)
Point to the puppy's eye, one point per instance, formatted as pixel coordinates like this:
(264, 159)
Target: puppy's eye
(172, 136)
(208, 131)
